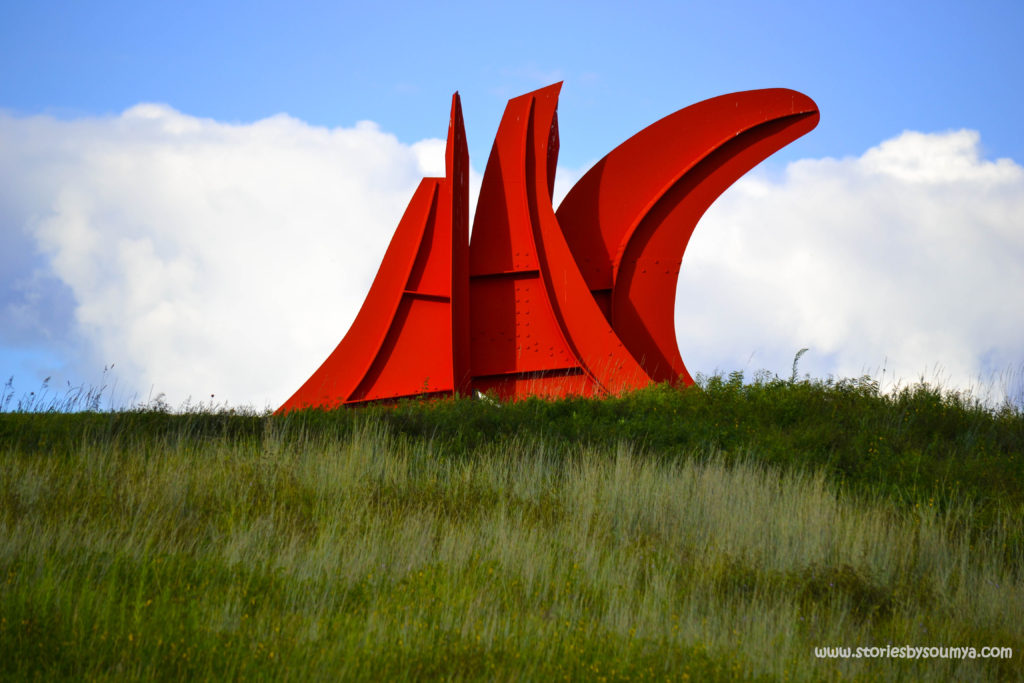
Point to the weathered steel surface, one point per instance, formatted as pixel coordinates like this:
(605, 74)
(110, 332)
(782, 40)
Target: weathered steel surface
(578, 302)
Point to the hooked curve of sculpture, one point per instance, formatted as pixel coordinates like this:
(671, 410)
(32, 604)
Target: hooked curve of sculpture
(539, 302)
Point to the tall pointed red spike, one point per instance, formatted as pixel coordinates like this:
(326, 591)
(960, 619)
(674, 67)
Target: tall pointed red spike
(536, 329)
(629, 218)
(414, 320)
(457, 198)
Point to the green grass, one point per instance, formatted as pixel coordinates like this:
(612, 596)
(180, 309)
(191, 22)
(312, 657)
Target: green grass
(708, 534)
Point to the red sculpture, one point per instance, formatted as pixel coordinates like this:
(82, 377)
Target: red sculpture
(545, 303)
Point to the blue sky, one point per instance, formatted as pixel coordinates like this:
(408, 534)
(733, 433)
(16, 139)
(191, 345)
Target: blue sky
(73, 75)
(875, 68)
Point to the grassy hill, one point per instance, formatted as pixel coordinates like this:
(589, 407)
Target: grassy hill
(714, 533)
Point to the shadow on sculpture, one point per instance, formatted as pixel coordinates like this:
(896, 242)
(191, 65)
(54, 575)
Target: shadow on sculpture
(545, 303)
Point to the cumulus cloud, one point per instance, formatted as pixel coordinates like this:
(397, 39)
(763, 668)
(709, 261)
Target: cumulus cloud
(201, 257)
(229, 259)
(907, 259)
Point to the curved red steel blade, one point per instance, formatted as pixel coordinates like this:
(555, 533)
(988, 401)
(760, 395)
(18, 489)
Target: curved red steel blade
(535, 327)
(411, 335)
(629, 218)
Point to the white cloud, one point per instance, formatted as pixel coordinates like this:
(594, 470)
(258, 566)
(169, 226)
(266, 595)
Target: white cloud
(908, 257)
(229, 259)
(207, 258)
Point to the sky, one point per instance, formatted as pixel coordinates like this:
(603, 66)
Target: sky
(195, 197)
